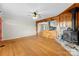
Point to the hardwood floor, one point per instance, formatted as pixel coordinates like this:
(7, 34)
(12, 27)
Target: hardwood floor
(32, 46)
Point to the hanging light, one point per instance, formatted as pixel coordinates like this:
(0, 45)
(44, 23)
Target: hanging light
(35, 15)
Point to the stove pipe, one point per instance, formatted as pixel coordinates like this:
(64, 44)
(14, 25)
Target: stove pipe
(74, 19)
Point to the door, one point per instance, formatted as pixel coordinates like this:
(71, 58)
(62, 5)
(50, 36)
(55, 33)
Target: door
(0, 28)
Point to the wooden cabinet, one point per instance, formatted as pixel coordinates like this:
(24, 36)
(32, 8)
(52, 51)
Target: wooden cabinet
(48, 34)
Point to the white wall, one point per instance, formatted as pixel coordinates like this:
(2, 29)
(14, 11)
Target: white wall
(18, 27)
(16, 23)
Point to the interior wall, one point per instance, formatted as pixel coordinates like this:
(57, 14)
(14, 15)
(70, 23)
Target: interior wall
(18, 27)
(78, 19)
(64, 22)
(16, 24)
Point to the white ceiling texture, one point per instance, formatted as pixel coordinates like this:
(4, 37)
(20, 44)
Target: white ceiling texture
(25, 9)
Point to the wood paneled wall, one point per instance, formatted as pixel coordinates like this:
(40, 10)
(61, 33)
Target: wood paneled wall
(78, 19)
(63, 19)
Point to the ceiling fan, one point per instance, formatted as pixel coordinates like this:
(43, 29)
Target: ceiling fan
(35, 14)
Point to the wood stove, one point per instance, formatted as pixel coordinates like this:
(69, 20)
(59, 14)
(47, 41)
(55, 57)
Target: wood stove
(72, 35)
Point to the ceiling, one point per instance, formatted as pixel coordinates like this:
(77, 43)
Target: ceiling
(24, 9)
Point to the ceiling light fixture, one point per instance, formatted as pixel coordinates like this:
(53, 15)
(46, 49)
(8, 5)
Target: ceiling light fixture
(35, 15)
